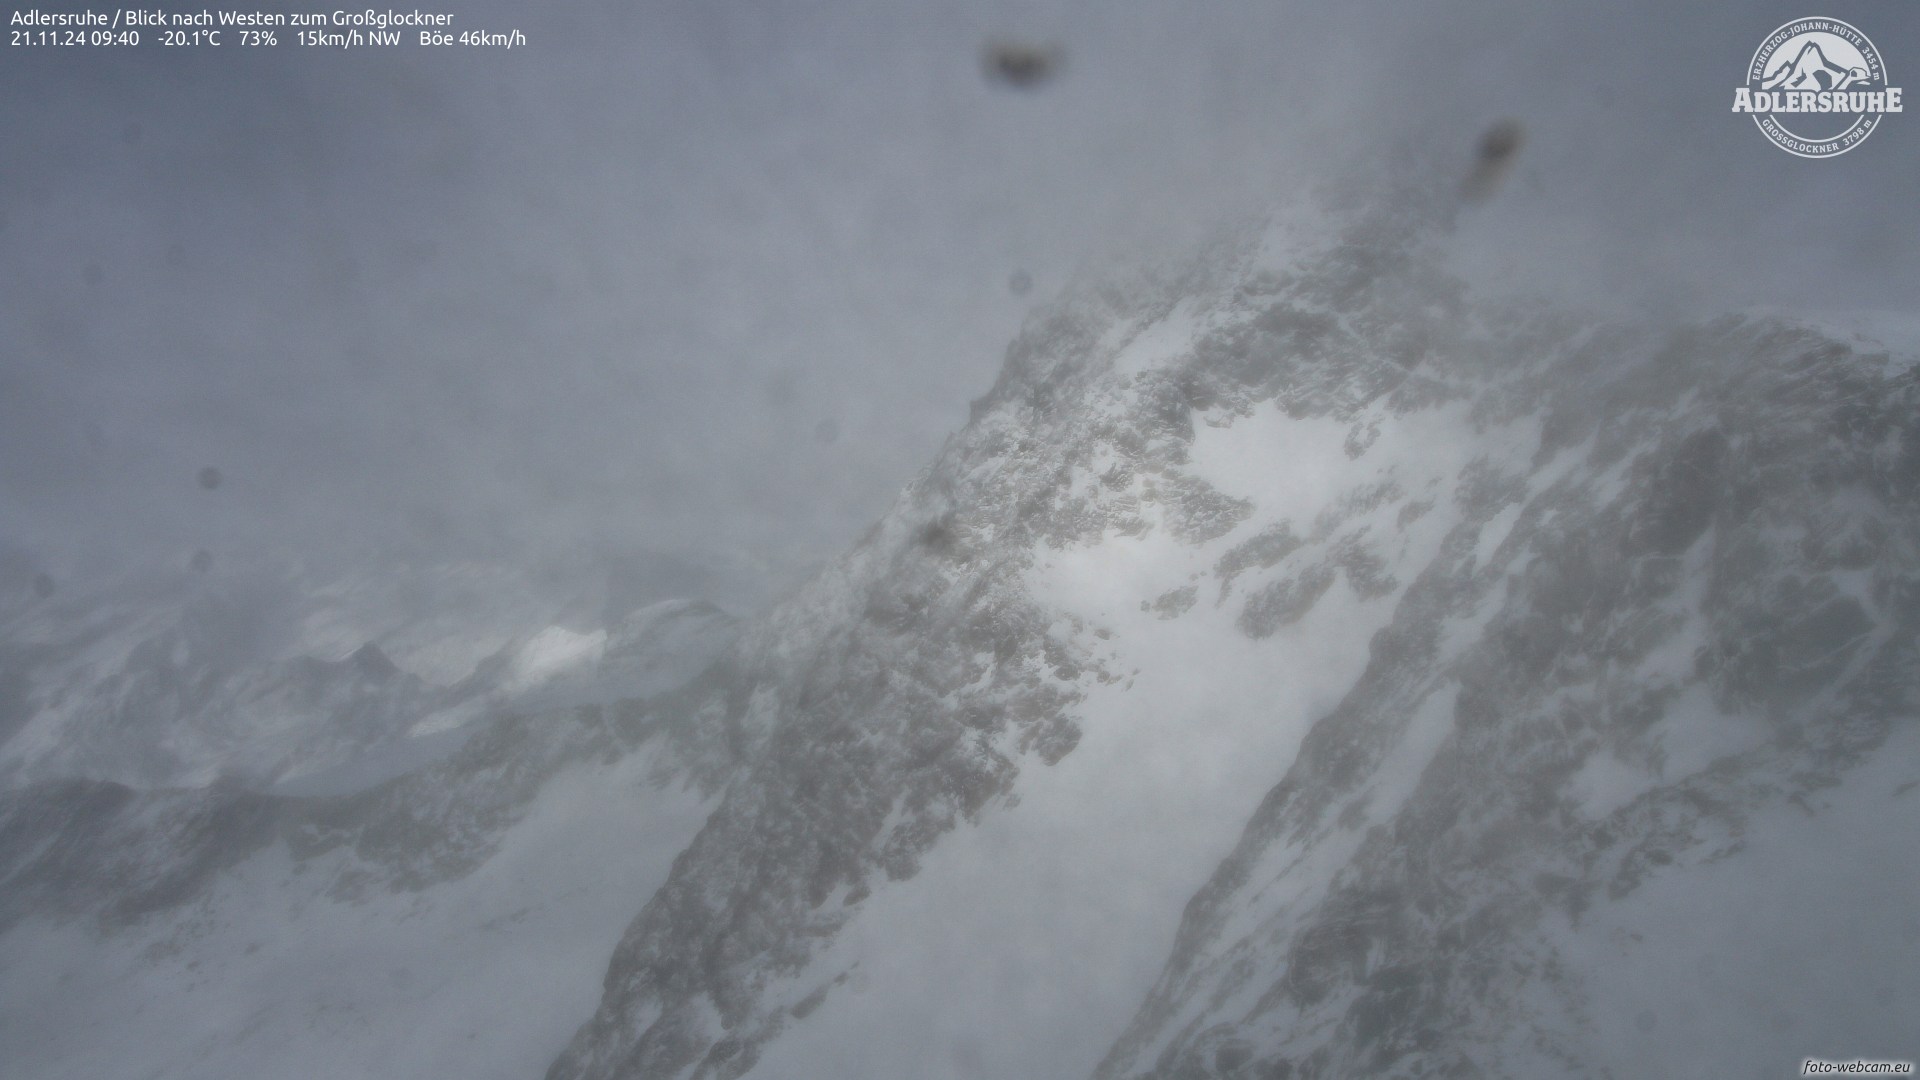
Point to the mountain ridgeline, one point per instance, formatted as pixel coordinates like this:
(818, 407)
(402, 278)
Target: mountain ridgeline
(1623, 602)
(1298, 667)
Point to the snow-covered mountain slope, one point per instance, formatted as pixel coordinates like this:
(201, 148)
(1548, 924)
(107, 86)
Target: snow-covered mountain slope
(450, 924)
(154, 686)
(650, 650)
(440, 907)
(265, 676)
(1659, 677)
(1514, 687)
(1530, 616)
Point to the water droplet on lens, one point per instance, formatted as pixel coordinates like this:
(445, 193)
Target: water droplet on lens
(1501, 141)
(1022, 64)
(1493, 159)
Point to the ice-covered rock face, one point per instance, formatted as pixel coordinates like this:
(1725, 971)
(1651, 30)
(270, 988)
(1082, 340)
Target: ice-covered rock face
(1527, 614)
(1513, 687)
(1659, 672)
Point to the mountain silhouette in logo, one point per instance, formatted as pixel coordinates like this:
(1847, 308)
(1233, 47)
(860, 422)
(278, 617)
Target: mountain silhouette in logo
(1811, 70)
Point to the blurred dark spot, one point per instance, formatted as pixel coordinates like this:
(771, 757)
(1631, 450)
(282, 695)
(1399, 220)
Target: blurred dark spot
(1884, 995)
(210, 478)
(176, 253)
(93, 275)
(95, 435)
(1021, 283)
(201, 562)
(1501, 141)
(1646, 1021)
(43, 585)
(1783, 1021)
(1022, 64)
(937, 535)
(131, 133)
(1493, 159)
(827, 431)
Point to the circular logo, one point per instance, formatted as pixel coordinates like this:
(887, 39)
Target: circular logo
(1817, 88)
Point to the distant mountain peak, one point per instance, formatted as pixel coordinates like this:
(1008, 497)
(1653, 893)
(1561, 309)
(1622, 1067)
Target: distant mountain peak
(369, 661)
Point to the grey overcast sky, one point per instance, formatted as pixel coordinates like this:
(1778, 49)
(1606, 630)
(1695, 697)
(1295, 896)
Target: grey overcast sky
(701, 284)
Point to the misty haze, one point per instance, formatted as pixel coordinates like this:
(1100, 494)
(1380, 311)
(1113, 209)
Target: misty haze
(857, 541)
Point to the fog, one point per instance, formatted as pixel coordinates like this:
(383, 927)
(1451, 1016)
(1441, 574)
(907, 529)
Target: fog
(470, 352)
(696, 287)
